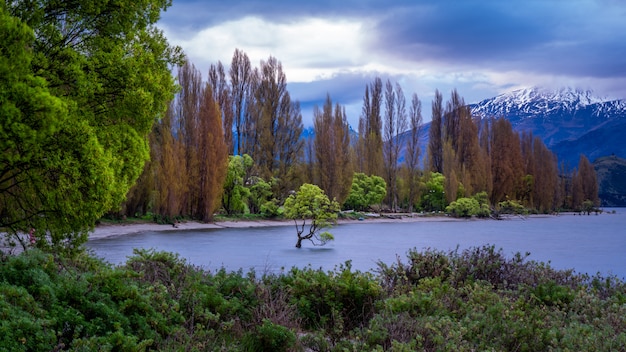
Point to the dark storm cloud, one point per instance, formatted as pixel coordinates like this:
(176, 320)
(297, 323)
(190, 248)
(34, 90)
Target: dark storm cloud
(557, 37)
(198, 13)
(478, 46)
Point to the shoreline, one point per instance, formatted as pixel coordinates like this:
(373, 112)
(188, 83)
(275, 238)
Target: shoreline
(113, 230)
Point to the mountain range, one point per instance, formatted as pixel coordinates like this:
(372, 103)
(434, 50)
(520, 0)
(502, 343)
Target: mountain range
(570, 121)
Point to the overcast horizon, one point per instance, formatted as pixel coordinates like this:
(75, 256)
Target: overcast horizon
(481, 48)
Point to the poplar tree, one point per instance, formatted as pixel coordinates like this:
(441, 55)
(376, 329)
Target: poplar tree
(546, 178)
(273, 125)
(170, 174)
(332, 150)
(585, 183)
(471, 158)
(187, 116)
(370, 128)
(411, 157)
(240, 80)
(507, 167)
(394, 126)
(223, 96)
(435, 141)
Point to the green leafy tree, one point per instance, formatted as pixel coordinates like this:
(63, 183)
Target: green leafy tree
(311, 203)
(235, 191)
(260, 194)
(81, 88)
(365, 191)
(434, 197)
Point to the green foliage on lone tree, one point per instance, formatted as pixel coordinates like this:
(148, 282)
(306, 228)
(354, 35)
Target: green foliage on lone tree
(311, 203)
(365, 191)
(80, 87)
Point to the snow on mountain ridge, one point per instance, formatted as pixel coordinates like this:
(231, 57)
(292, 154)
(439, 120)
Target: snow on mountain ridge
(533, 101)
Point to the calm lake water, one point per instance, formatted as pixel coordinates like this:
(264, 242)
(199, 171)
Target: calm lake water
(587, 244)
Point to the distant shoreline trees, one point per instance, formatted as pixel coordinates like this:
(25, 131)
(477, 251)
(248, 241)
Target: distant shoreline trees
(467, 155)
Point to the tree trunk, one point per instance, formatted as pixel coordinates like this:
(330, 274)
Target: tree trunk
(299, 243)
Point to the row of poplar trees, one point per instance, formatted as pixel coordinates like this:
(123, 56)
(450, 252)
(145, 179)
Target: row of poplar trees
(249, 111)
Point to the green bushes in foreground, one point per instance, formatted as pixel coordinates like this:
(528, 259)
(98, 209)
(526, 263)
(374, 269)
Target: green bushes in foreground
(476, 299)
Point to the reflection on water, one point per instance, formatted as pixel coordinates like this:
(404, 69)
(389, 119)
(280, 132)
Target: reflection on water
(585, 243)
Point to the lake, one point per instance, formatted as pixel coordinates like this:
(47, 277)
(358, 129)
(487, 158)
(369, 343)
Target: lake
(587, 244)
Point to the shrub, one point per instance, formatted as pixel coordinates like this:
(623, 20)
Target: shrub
(463, 208)
(336, 301)
(269, 337)
(512, 207)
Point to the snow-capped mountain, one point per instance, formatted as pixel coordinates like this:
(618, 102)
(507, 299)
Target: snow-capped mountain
(530, 102)
(570, 121)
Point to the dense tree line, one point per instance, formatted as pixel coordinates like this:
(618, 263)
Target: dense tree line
(261, 124)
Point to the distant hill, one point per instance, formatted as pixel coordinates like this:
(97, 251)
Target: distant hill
(611, 171)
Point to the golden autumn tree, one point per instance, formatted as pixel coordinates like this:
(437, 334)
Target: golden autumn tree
(546, 178)
(170, 175)
(526, 194)
(507, 168)
(584, 184)
(190, 152)
(463, 159)
(186, 114)
(471, 157)
(332, 151)
(213, 155)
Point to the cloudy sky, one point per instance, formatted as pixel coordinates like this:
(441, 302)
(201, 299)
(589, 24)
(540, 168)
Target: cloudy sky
(480, 47)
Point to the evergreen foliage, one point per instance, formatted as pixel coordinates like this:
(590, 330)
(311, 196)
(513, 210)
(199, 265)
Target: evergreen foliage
(475, 299)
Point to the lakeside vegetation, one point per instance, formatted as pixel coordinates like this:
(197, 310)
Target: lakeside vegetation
(476, 299)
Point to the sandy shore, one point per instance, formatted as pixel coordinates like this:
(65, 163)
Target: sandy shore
(109, 230)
